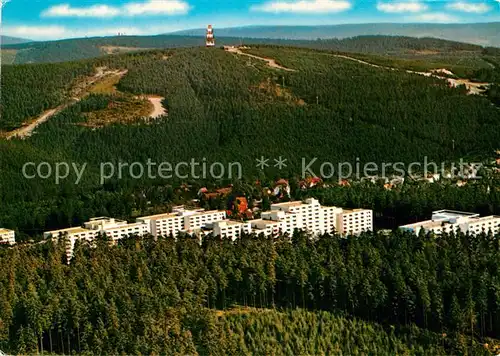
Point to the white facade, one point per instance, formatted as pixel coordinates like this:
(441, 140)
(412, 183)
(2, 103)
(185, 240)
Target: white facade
(267, 227)
(486, 224)
(164, 224)
(313, 217)
(447, 221)
(354, 222)
(231, 229)
(210, 42)
(114, 229)
(7, 237)
(73, 234)
(201, 219)
(282, 218)
(330, 219)
(181, 220)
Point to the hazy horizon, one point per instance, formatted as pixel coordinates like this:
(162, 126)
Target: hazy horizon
(63, 19)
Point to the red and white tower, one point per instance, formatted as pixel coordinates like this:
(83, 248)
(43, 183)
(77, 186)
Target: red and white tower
(210, 36)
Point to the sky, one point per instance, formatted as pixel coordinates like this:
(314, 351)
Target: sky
(56, 19)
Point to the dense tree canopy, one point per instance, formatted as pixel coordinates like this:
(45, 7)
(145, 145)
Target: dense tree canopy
(225, 108)
(146, 296)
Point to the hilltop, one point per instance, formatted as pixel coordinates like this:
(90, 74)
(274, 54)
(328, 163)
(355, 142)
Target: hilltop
(7, 40)
(484, 34)
(85, 48)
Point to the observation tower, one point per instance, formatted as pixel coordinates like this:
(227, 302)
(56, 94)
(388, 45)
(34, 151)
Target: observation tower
(210, 36)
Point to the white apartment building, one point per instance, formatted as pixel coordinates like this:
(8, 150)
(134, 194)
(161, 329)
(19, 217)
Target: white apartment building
(114, 229)
(201, 219)
(486, 224)
(354, 222)
(7, 237)
(231, 229)
(287, 222)
(282, 218)
(73, 234)
(311, 216)
(181, 220)
(447, 221)
(267, 227)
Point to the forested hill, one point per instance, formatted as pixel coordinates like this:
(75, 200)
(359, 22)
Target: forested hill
(485, 34)
(228, 108)
(75, 49)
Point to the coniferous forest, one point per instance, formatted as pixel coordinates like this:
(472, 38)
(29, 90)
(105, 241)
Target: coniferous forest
(391, 293)
(229, 108)
(375, 293)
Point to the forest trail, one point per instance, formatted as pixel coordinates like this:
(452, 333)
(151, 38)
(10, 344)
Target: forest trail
(472, 87)
(270, 61)
(76, 94)
(26, 131)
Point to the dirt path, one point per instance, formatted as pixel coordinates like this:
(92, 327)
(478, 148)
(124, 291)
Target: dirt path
(77, 93)
(360, 61)
(270, 62)
(472, 87)
(27, 131)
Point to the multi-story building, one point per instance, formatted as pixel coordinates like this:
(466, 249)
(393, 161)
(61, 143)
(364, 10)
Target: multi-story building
(282, 218)
(164, 224)
(267, 227)
(7, 237)
(231, 229)
(112, 228)
(181, 219)
(72, 234)
(330, 220)
(116, 229)
(447, 221)
(486, 224)
(354, 222)
(311, 216)
(201, 219)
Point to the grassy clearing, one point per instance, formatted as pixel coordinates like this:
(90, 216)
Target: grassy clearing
(106, 85)
(121, 108)
(8, 56)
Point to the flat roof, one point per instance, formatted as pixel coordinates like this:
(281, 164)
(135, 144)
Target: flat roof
(205, 212)
(453, 213)
(3, 231)
(126, 226)
(268, 222)
(349, 211)
(73, 230)
(158, 216)
(290, 203)
(230, 222)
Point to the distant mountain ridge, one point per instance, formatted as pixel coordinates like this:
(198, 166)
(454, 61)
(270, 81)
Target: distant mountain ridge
(7, 40)
(484, 34)
(82, 48)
